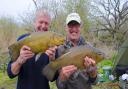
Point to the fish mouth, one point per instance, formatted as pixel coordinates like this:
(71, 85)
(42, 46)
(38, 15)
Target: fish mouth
(60, 42)
(57, 39)
(57, 42)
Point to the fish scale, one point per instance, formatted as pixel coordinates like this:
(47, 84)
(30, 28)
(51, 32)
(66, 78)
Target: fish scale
(74, 56)
(37, 41)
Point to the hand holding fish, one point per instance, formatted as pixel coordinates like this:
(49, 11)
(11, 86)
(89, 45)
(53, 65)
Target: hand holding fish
(39, 42)
(67, 71)
(75, 56)
(51, 52)
(90, 65)
(89, 62)
(25, 54)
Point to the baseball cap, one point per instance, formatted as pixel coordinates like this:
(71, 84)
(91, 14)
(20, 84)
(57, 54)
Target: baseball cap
(73, 17)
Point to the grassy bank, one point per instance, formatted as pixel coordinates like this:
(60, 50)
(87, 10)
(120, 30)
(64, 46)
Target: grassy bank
(6, 83)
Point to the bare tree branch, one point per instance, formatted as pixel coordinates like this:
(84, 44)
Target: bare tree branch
(114, 17)
(34, 1)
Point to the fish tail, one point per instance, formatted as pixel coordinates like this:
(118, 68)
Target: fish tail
(48, 72)
(10, 48)
(13, 52)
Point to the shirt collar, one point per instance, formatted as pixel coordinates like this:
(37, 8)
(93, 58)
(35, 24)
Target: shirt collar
(68, 43)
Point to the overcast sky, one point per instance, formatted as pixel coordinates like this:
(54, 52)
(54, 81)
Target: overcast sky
(15, 7)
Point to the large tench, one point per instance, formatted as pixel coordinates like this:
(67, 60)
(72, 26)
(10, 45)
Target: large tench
(75, 56)
(37, 41)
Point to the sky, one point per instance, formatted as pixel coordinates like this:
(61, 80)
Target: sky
(14, 8)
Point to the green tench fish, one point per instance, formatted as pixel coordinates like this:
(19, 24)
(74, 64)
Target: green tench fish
(37, 41)
(75, 56)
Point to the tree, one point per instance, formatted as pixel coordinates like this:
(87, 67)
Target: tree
(7, 30)
(59, 9)
(112, 15)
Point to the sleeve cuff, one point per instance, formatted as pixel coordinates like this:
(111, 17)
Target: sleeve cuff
(60, 84)
(10, 74)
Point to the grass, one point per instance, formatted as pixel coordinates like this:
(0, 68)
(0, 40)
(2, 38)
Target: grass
(53, 85)
(6, 83)
(106, 86)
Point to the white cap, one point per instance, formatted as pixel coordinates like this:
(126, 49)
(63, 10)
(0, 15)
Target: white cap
(73, 17)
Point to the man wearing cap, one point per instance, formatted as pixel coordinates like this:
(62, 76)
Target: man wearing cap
(69, 76)
(28, 66)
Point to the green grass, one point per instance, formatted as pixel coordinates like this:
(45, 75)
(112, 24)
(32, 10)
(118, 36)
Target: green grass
(102, 64)
(53, 85)
(7, 83)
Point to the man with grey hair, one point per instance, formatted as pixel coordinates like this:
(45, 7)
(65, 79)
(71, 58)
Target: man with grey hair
(42, 21)
(29, 65)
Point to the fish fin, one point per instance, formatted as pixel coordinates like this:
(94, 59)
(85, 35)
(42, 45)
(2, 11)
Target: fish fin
(48, 72)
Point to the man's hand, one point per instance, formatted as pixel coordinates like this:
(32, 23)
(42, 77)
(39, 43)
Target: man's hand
(66, 72)
(90, 64)
(25, 54)
(51, 52)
